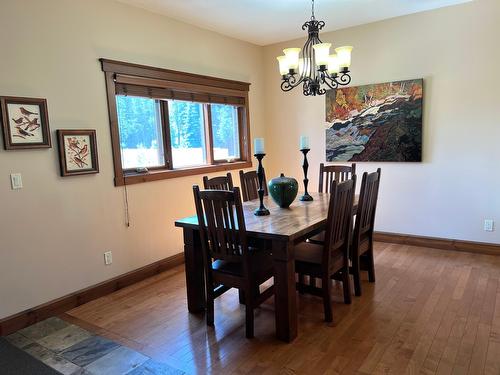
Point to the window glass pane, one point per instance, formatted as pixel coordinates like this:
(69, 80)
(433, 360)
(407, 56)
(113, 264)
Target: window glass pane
(139, 124)
(225, 132)
(187, 133)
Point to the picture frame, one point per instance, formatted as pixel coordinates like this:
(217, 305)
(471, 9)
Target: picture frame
(25, 123)
(77, 152)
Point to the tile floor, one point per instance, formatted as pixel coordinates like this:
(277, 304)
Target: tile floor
(72, 350)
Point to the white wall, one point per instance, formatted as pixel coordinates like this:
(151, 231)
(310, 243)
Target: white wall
(53, 233)
(456, 51)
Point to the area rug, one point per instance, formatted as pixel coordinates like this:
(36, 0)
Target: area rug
(65, 348)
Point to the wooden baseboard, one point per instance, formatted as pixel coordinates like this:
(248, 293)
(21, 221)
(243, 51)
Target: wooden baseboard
(25, 318)
(438, 243)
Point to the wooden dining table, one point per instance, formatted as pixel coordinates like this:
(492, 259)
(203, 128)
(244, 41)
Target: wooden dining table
(281, 231)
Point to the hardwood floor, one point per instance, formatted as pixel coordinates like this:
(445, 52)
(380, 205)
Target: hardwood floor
(430, 312)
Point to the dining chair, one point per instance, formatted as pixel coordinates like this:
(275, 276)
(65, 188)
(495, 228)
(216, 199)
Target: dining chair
(327, 175)
(250, 185)
(330, 173)
(218, 183)
(331, 259)
(229, 261)
(362, 241)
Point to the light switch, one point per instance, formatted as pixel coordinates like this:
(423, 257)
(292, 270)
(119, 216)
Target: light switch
(16, 181)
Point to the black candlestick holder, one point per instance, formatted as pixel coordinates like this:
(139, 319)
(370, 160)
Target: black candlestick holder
(261, 211)
(305, 166)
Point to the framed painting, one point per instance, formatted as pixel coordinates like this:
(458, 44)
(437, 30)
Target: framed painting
(77, 152)
(379, 122)
(25, 123)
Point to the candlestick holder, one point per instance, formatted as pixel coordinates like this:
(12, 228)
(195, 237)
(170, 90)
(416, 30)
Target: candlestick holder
(261, 211)
(305, 166)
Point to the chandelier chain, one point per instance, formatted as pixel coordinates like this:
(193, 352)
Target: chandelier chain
(312, 10)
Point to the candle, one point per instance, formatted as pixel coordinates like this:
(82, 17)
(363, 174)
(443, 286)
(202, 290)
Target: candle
(258, 146)
(304, 142)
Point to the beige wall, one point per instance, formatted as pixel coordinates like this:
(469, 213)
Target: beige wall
(54, 231)
(456, 51)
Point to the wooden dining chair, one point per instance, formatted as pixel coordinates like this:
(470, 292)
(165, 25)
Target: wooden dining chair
(218, 183)
(228, 259)
(362, 241)
(327, 175)
(250, 185)
(330, 173)
(330, 260)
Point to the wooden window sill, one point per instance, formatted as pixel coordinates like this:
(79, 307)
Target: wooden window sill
(163, 174)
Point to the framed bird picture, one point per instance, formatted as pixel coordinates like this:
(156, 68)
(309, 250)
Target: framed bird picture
(25, 123)
(77, 152)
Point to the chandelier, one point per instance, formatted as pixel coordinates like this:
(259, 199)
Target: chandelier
(316, 71)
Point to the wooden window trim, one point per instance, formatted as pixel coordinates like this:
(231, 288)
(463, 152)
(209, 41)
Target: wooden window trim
(171, 83)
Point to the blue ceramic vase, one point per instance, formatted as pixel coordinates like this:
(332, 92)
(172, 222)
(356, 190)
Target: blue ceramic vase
(283, 190)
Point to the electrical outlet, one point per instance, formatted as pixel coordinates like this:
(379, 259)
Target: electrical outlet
(16, 181)
(108, 258)
(489, 225)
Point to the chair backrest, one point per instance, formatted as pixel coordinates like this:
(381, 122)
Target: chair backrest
(222, 224)
(339, 221)
(367, 205)
(218, 183)
(250, 185)
(330, 173)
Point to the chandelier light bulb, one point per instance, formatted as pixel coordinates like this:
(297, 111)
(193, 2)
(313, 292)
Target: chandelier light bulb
(322, 53)
(333, 64)
(344, 56)
(283, 65)
(292, 56)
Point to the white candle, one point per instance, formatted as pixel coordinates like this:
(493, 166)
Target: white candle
(258, 146)
(304, 142)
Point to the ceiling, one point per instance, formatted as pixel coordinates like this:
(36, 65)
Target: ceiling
(264, 22)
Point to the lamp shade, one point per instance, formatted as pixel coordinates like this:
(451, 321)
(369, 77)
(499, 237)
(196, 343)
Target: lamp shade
(321, 53)
(283, 64)
(344, 56)
(333, 64)
(292, 56)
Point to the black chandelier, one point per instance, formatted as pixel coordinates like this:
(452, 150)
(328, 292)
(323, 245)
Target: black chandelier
(316, 71)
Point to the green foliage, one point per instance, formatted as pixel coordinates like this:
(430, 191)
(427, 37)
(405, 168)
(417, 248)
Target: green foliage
(137, 120)
(139, 123)
(186, 124)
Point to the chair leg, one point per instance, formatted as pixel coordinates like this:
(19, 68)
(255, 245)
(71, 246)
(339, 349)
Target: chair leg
(346, 284)
(210, 309)
(248, 314)
(371, 264)
(327, 299)
(356, 276)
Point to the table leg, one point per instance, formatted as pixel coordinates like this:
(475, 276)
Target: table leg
(285, 292)
(195, 280)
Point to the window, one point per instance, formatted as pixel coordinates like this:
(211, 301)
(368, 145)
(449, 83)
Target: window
(187, 133)
(167, 124)
(141, 139)
(225, 132)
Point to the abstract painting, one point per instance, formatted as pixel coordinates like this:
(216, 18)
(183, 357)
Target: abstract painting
(379, 122)
(25, 123)
(77, 152)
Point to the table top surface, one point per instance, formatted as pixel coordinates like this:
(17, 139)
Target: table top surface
(290, 223)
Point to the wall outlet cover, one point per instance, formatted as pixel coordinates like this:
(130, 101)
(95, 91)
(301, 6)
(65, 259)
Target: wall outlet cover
(108, 258)
(489, 225)
(16, 181)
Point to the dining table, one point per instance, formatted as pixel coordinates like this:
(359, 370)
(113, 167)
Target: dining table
(281, 230)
